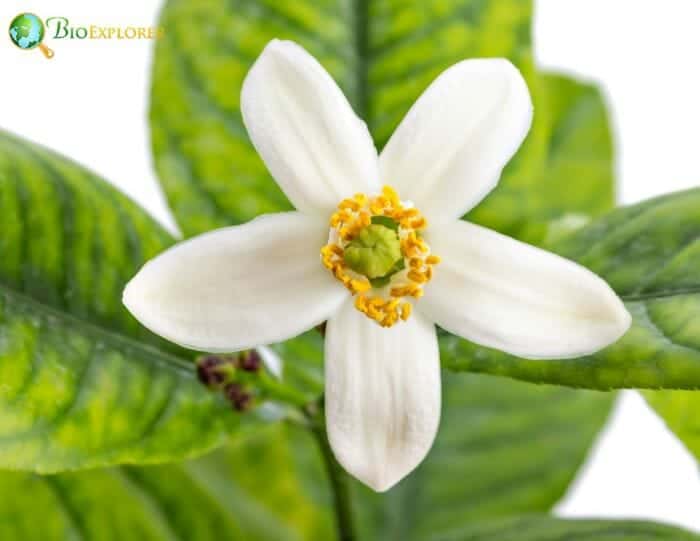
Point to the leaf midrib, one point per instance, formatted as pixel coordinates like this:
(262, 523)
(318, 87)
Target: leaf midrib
(633, 297)
(360, 10)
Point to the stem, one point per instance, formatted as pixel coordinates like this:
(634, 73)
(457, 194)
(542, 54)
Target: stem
(340, 482)
(279, 391)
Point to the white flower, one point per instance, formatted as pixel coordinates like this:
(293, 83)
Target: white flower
(282, 274)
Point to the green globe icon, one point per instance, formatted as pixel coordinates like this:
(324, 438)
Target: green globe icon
(27, 32)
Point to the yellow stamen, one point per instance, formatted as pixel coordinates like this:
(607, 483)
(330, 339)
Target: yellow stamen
(360, 199)
(418, 277)
(348, 221)
(419, 223)
(360, 286)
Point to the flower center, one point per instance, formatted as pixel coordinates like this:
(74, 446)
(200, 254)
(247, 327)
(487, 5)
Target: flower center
(376, 250)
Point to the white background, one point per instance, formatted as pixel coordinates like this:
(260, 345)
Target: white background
(90, 103)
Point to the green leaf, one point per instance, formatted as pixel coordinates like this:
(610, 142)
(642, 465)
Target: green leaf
(81, 383)
(504, 447)
(679, 409)
(543, 528)
(269, 489)
(195, 501)
(649, 253)
(576, 179)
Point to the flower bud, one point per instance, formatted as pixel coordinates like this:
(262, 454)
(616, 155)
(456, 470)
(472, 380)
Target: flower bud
(213, 370)
(240, 398)
(249, 361)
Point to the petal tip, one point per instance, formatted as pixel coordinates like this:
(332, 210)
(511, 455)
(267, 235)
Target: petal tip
(622, 320)
(379, 475)
(614, 315)
(612, 326)
(135, 298)
(384, 467)
(381, 484)
(278, 46)
(130, 295)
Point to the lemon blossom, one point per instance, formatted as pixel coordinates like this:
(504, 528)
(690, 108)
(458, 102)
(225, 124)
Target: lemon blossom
(377, 249)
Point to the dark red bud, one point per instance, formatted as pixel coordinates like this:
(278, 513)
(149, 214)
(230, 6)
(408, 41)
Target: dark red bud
(209, 370)
(250, 361)
(240, 398)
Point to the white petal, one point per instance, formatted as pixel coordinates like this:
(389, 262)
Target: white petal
(502, 293)
(449, 150)
(312, 142)
(382, 395)
(238, 287)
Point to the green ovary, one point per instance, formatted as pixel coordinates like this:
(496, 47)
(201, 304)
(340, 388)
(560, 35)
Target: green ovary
(374, 252)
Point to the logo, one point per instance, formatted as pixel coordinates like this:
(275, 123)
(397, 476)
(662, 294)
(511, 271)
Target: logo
(27, 31)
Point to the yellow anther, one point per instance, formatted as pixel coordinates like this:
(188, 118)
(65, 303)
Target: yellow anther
(415, 263)
(432, 260)
(389, 320)
(376, 208)
(360, 199)
(350, 204)
(365, 219)
(374, 313)
(419, 223)
(406, 309)
(331, 249)
(399, 292)
(422, 246)
(410, 249)
(360, 286)
(391, 195)
(376, 302)
(417, 277)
